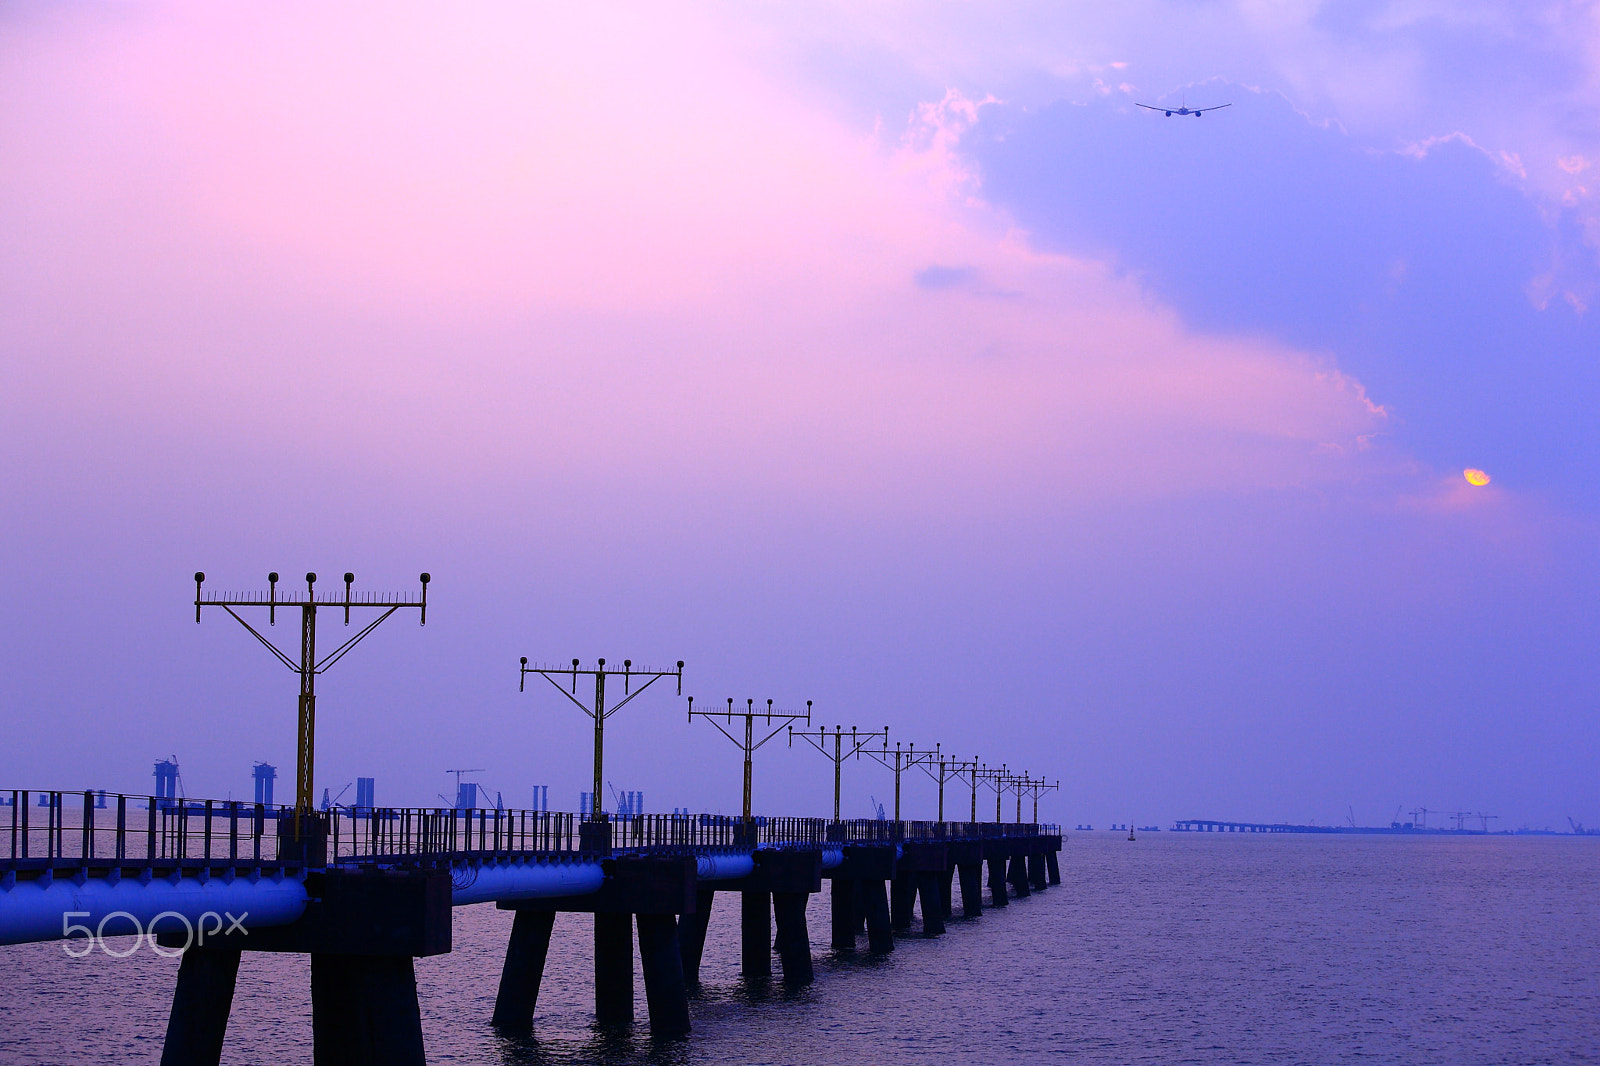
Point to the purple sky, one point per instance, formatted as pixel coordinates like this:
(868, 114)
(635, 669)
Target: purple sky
(892, 360)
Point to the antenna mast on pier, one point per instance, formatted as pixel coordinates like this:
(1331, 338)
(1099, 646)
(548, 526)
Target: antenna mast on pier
(309, 665)
(749, 744)
(600, 712)
(840, 753)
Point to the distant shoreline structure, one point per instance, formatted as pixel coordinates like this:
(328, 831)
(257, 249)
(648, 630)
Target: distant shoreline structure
(1210, 825)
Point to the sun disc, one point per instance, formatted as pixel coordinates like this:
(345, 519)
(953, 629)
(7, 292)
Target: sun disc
(1475, 477)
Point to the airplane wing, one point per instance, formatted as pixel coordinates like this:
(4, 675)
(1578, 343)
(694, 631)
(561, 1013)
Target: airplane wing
(1219, 107)
(1148, 106)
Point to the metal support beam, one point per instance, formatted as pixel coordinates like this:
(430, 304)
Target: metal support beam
(902, 897)
(755, 935)
(1019, 876)
(971, 874)
(793, 943)
(200, 1006)
(523, 970)
(880, 935)
(364, 1011)
(613, 969)
(692, 935)
(661, 960)
(997, 882)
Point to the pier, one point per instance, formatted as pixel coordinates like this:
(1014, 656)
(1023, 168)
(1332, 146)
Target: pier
(366, 892)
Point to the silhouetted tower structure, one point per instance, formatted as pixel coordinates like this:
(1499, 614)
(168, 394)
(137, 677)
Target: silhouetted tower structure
(841, 751)
(265, 774)
(166, 775)
(308, 666)
(749, 744)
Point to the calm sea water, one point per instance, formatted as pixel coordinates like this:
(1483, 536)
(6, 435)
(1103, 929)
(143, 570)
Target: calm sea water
(1176, 948)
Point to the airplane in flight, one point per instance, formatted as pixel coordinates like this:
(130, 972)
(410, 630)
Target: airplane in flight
(1195, 111)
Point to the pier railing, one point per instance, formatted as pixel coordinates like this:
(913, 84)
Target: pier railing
(876, 831)
(52, 830)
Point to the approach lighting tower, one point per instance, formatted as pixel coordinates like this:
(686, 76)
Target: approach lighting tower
(973, 770)
(309, 666)
(943, 769)
(1021, 786)
(600, 711)
(900, 760)
(749, 744)
(841, 752)
(1037, 788)
(997, 779)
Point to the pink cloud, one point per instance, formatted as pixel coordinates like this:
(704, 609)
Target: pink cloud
(455, 242)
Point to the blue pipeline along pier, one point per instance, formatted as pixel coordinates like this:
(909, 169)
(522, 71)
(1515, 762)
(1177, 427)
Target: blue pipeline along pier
(367, 890)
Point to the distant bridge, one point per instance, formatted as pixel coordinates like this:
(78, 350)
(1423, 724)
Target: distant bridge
(1208, 825)
(366, 891)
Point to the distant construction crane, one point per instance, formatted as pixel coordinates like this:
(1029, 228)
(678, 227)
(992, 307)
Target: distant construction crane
(463, 802)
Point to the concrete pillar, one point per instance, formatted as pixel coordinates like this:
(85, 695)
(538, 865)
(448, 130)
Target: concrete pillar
(971, 888)
(997, 883)
(1019, 876)
(613, 969)
(902, 896)
(364, 1011)
(880, 934)
(665, 993)
(523, 970)
(692, 935)
(794, 943)
(946, 889)
(1036, 876)
(843, 911)
(755, 934)
(200, 1005)
(932, 902)
(1052, 867)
